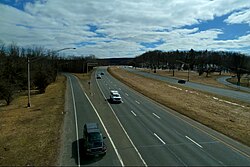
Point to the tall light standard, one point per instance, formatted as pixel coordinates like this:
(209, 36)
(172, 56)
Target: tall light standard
(187, 65)
(28, 68)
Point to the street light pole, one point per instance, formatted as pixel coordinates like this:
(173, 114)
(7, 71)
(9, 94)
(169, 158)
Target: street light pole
(28, 68)
(188, 67)
(28, 81)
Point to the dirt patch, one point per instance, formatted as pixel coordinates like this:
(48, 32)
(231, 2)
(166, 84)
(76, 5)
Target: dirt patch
(31, 136)
(224, 115)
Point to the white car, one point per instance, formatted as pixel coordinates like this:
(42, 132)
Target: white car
(115, 96)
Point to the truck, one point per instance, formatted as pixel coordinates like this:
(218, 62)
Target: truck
(93, 140)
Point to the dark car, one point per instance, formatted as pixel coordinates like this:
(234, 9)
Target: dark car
(93, 140)
(181, 81)
(99, 76)
(102, 73)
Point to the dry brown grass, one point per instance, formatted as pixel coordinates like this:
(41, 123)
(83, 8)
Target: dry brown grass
(243, 81)
(31, 136)
(85, 79)
(194, 77)
(229, 119)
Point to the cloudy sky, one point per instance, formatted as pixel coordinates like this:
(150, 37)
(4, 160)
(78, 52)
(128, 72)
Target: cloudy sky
(126, 28)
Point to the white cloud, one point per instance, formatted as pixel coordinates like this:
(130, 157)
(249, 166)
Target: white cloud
(124, 24)
(239, 17)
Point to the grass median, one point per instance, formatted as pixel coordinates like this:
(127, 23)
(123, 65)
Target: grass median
(225, 115)
(31, 136)
(211, 79)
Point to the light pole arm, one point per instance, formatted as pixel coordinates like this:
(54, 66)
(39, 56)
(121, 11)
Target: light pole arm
(63, 49)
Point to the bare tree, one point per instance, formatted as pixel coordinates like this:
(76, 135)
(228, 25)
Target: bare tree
(238, 65)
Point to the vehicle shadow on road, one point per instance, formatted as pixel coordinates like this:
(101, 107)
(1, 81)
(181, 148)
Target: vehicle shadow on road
(84, 159)
(112, 102)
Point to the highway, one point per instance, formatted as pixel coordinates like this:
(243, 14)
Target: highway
(163, 138)
(141, 132)
(219, 91)
(78, 112)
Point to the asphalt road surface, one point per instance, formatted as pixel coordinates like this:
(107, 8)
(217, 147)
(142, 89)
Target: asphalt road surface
(78, 112)
(141, 132)
(219, 91)
(223, 80)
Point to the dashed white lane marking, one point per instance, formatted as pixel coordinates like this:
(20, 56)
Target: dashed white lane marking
(124, 132)
(104, 127)
(126, 94)
(133, 113)
(193, 141)
(159, 138)
(119, 88)
(137, 102)
(156, 116)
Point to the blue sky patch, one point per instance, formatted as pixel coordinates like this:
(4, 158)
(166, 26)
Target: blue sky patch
(230, 31)
(93, 29)
(84, 43)
(25, 26)
(20, 4)
(107, 41)
(152, 44)
(162, 30)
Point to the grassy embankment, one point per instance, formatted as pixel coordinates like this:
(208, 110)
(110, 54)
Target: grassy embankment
(231, 119)
(31, 136)
(243, 81)
(85, 79)
(211, 79)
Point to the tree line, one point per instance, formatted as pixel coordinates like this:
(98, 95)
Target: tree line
(14, 70)
(44, 66)
(200, 61)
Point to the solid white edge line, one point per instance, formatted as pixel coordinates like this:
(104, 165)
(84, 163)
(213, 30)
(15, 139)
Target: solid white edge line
(77, 135)
(193, 141)
(159, 138)
(133, 113)
(123, 129)
(111, 141)
(156, 115)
